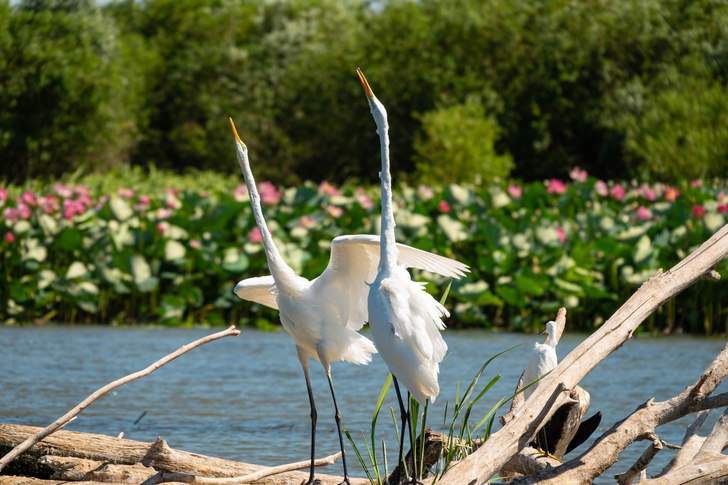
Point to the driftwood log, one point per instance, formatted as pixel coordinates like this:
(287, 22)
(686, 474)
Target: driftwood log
(159, 456)
(522, 424)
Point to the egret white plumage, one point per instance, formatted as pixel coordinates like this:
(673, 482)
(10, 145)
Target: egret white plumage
(404, 319)
(542, 360)
(324, 314)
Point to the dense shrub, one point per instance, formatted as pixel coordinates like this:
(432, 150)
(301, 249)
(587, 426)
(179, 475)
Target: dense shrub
(619, 87)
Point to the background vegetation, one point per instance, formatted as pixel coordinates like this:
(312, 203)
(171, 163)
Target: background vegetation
(130, 248)
(528, 88)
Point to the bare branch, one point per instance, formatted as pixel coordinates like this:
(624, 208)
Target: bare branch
(717, 438)
(505, 443)
(253, 477)
(66, 418)
(641, 464)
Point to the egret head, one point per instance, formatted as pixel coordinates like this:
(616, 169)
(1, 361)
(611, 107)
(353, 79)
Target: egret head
(552, 333)
(377, 108)
(239, 145)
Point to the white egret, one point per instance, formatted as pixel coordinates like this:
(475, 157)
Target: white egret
(404, 319)
(565, 430)
(542, 360)
(324, 314)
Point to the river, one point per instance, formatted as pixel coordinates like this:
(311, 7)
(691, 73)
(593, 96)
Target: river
(244, 398)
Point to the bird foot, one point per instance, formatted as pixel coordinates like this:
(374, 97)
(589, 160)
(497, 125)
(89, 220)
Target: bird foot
(313, 481)
(542, 453)
(345, 482)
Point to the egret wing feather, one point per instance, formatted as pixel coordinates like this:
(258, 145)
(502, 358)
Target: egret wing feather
(353, 264)
(260, 290)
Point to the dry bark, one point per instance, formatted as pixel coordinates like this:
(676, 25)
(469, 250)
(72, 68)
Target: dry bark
(157, 455)
(79, 469)
(520, 430)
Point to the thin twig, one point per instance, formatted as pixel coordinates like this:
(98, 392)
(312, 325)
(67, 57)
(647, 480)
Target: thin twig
(66, 418)
(187, 478)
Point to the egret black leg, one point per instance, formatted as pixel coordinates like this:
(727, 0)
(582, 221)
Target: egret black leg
(323, 355)
(337, 417)
(303, 357)
(403, 413)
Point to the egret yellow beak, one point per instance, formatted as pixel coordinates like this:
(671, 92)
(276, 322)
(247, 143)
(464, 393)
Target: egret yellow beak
(235, 132)
(367, 89)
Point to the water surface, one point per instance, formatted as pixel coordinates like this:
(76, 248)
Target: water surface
(244, 398)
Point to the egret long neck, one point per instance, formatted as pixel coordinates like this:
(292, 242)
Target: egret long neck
(280, 271)
(388, 246)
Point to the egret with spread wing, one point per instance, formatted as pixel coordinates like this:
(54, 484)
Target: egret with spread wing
(404, 319)
(324, 314)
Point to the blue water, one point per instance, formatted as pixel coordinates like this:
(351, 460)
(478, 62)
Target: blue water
(244, 398)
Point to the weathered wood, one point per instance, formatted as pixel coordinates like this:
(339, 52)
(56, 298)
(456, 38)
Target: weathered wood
(518, 432)
(639, 425)
(79, 469)
(711, 469)
(161, 457)
(22, 480)
(70, 415)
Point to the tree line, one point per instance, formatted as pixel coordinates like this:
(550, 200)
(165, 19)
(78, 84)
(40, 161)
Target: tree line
(475, 89)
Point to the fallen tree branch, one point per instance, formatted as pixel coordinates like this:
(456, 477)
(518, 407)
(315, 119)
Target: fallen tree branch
(639, 425)
(66, 418)
(166, 477)
(641, 464)
(514, 435)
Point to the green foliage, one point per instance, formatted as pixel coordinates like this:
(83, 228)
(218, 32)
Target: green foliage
(618, 87)
(163, 248)
(64, 89)
(459, 144)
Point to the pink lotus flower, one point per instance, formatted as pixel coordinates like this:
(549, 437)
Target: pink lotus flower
(722, 197)
(364, 200)
(172, 192)
(671, 193)
(334, 211)
(722, 208)
(10, 214)
(72, 208)
(162, 227)
(617, 192)
(560, 234)
(125, 192)
(162, 213)
(325, 188)
(28, 198)
(100, 203)
(556, 186)
(63, 190)
(24, 211)
(172, 203)
(425, 192)
(9, 237)
(643, 213)
(255, 236)
(601, 188)
(647, 192)
(81, 190)
(240, 193)
(195, 243)
(578, 175)
(49, 204)
(269, 194)
(696, 183)
(144, 200)
(698, 212)
(444, 206)
(515, 191)
(307, 222)
(3, 196)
